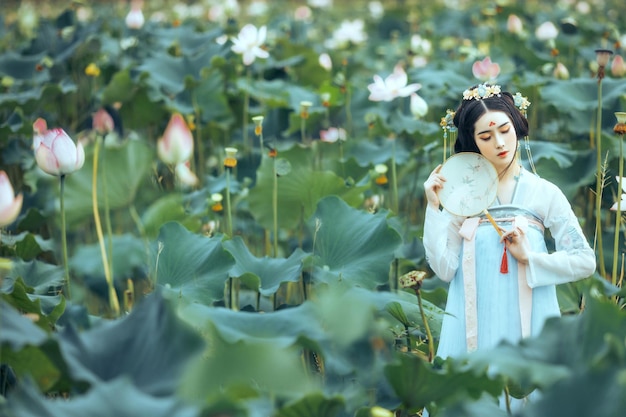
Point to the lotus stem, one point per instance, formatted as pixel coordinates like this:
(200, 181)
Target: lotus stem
(107, 211)
(113, 300)
(64, 237)
(275, 209)
(431, 343)
(394, 177)
(246, 110)
(618, 217)
(599, 182)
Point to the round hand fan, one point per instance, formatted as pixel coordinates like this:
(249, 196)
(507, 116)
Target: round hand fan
(471, 184)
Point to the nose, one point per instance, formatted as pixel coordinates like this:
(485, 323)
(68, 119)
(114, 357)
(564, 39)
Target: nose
(499, 140)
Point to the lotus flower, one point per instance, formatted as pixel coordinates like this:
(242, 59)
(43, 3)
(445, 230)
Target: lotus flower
(560, 72)
(618, 68)
(10, 205)
(55, 152)
(249, 42)
(332, 135)
(184, 174)
(622, 204)
(349, 32)
(134, 18)
(325, 61)
(514, 24)
(485, 70)
(419, 107)
(395, 85)
(546, 31)
(176, 144)
(103, 122)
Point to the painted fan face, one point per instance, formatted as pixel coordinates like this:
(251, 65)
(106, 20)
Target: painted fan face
(471, 184)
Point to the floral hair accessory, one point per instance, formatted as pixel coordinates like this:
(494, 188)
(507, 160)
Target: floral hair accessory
(482, 91)
(521, 102)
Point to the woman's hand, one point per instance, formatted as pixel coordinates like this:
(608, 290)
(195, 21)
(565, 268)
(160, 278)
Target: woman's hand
(433, 184)
(517, 244)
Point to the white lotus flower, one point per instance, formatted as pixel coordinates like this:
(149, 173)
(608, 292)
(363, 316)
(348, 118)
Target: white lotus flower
(394, 86)
(249, 43)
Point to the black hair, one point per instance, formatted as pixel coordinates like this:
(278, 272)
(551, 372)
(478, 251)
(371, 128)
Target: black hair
(469, 111)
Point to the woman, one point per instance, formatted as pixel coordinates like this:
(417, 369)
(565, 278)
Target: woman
(498, 294)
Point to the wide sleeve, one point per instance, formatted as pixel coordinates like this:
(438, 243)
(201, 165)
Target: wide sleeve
(442, 242)
(573, 258)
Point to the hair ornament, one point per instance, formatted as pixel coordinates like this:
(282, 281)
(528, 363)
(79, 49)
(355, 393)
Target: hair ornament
(482, 91)
(521, 102)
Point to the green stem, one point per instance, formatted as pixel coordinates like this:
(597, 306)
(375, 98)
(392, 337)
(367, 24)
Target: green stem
(431, 343)
(394, 177)
(275, 210)
(246, 110)
(599, 181)
(113, 300)
(64, 237)
(618, 216)
(228, 208)
(107, 212)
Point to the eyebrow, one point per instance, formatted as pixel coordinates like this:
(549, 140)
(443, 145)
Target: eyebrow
(498, 127)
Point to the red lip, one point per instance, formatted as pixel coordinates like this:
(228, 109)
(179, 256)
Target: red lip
(504, 153)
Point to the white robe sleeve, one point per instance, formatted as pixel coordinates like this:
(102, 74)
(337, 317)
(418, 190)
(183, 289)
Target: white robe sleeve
(442, 242)
(573, 258)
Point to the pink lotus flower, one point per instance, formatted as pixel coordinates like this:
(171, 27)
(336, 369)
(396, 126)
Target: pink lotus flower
(333, 135)
(134, 18)
(395, 85)
(514, 24)
(618, 68)
(55, 152)
(249, 43)
(103, 122)
(176, 144)
(10, 205)
(184, 175)
(485, 70)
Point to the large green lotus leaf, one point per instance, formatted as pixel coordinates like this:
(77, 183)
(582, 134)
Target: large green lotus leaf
(313, 405)
(119, 89)
(118, 398)
(188, 39)
(578, 97)
(598, 392)
(417, 383)
(264, 365)
(129, 253)
(172, 71)
(40, 276)
(338, 325)
(48, 308)
(368, 153)
(17, 330)
(126, 168)
(270, 271)
(298, 192)
(567, 346)
(486, 405)
(151, 346)
(556, 163)
(274, 93)
(23, 67)
(212, 101)
(169, 208)
(192, 266)
(352, 245)
(32, 362)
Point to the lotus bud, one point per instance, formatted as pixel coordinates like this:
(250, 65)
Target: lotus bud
(10, 205)
(618, 68)
(561, 72)
(176, 144)
(57, 154)
(102, 122)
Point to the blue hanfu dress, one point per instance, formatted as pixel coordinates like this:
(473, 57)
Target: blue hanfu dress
(486, 306)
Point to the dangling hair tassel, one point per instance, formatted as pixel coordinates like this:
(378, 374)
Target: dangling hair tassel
(504, 264)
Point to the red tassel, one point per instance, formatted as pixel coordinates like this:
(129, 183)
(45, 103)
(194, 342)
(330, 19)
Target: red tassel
(504, 265)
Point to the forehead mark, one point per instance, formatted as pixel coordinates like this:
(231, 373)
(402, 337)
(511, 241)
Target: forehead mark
(492, 123)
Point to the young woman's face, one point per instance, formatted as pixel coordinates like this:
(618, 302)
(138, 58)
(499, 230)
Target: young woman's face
(496, 138)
